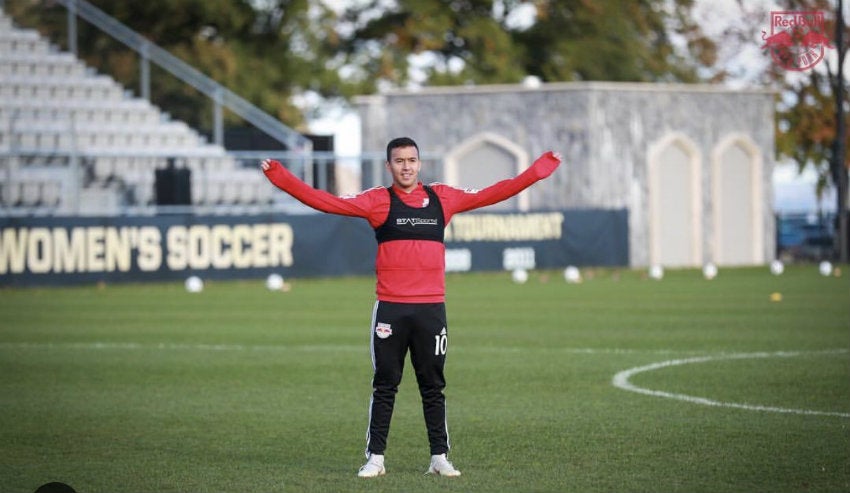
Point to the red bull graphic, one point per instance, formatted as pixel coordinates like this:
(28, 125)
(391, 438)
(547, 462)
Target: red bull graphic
(797, 40)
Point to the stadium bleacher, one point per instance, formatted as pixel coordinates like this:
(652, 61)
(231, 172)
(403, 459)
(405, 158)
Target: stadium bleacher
(56, 111)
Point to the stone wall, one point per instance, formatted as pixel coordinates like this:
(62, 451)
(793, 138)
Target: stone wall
(606, 132)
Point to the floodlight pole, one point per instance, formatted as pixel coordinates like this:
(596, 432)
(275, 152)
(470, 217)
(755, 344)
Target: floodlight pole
(839, 161)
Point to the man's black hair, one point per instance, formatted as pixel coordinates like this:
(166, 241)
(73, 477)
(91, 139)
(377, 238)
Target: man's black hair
(400, 142)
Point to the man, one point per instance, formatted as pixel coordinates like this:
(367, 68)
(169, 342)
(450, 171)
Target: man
(409, 219)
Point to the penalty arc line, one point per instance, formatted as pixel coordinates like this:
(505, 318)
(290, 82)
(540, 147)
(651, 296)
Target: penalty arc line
(621, 381)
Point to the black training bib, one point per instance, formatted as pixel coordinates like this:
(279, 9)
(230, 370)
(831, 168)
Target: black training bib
(413, 223)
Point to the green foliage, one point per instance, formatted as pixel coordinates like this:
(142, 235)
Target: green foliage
(568, 40)
(610, 40)
(460, 34)
(151, 388)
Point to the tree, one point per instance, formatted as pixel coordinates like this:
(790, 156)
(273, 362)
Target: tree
(812, 113)
(614, 40)
(459, 39)
(472, 41)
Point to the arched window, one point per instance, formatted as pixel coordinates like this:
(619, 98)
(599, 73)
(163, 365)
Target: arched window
(736, 182)
(483, 160)
(675, 203)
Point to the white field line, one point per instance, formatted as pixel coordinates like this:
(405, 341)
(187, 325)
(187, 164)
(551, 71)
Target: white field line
(136, 346)
(621, 381)
(102, 345)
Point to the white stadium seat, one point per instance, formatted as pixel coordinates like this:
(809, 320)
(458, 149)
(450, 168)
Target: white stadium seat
(52, 105)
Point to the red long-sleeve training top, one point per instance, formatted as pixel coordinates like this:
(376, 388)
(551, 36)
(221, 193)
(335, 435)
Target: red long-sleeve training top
(410, 271)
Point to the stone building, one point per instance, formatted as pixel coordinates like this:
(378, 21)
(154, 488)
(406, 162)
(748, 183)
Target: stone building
(692, 164)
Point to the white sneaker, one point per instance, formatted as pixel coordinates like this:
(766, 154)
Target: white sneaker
(373, 467)
(441, 466)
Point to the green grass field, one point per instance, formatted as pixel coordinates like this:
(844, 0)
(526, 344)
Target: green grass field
(148, 388)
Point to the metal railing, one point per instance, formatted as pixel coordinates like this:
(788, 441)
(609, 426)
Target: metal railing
(218, 94)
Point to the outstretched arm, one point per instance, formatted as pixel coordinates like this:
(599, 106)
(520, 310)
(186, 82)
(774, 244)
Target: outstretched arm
(320, 200)
(542, 167)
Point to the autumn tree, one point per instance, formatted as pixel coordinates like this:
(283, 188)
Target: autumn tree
(807, 120)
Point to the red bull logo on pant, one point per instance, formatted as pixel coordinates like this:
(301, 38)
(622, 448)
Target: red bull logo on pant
(797, 40)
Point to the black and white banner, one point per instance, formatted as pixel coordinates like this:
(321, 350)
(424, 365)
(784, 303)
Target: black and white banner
(71, 250)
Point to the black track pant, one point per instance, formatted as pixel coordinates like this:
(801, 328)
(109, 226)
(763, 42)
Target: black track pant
(421, 329)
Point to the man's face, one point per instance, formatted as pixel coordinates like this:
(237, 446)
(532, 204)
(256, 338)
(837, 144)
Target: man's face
(404, 167)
